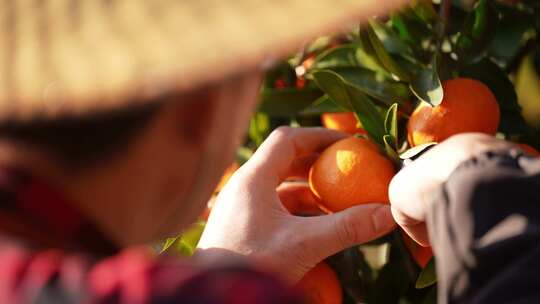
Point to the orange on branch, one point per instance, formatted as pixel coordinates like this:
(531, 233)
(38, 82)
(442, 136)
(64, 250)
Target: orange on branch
(309, 61)
(468, 106)
(321, 285)
(226, 176)
(351, 172)
(300, 201)
(222, 182)
(209, 205)
(345, 122)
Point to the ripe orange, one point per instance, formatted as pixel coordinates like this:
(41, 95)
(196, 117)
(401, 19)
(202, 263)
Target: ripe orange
(321, 285)
(421, 255)
(309, 61)
(280, 84)
(209, 205)
(345, 122)
(468, 106)
(529, 150)
(351, 172)
(226, 176)
(222, 182)
(301, 202)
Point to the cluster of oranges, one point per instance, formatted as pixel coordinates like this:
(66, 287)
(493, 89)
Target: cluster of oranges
(354, 171)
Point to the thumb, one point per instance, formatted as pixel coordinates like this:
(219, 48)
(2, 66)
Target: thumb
(333, 233)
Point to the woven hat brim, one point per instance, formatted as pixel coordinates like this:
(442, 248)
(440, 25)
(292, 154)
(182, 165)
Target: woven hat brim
(63, 58)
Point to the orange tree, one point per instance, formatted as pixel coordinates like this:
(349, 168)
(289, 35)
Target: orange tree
(423, 73)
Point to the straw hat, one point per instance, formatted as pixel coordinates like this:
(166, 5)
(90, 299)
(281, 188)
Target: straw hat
(63, 58)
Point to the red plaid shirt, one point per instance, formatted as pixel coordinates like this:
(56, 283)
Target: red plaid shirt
(50, 253)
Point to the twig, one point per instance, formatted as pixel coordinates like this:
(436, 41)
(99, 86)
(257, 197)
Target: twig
(444, 13)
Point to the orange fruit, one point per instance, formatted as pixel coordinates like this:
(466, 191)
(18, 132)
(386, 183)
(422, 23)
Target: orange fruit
(301, 201)
(351, 172)
(301, 82)
(529, 150)
(226, 176)
(321, 285)
(209, 205)
(345, 122)
(280, 84)
(468, 106)
(420, 254)
(308, 62)
(222, 182)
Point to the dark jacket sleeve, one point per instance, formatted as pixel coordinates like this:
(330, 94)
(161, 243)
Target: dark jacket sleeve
(484, 227)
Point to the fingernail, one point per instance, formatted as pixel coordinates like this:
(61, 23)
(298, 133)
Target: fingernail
(382, 219)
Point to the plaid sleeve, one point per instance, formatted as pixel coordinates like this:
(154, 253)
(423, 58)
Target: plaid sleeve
(133, 276)
(32, 214)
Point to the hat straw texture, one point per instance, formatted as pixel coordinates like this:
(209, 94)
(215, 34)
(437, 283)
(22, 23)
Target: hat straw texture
(67, 58)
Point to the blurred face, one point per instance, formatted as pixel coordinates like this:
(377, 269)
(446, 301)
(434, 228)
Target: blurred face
(161, 183)
(229, 115)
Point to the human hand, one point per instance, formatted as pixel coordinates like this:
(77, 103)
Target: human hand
(412, 189)
(249, 219)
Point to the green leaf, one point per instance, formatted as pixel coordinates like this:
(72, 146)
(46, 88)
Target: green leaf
(350, 98)
(383, 89)
(373, 43)
(322, 105)
(389, 144)
(368, 115)
(511, 33)
(426, 85)
(367, 57)
(168, 243)
(391, 124)
(342, 56)
(428, 276)
(186, 243)
(183, 248)
(391, 40)
(391, 137)
(334, 86)
(392, 282)
(497, 80)
(243, 154)
(286, 102)
(478, 32)
(412, 29)
(425, 11)
(259, 128)
(319, 45)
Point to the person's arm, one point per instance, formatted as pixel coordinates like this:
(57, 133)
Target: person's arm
(132, 276)
(484, 226)
(481, 206)
(248, 227)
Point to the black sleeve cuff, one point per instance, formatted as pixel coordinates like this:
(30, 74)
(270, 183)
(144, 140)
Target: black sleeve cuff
(484, 226)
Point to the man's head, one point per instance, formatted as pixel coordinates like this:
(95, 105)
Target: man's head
(146, 172)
